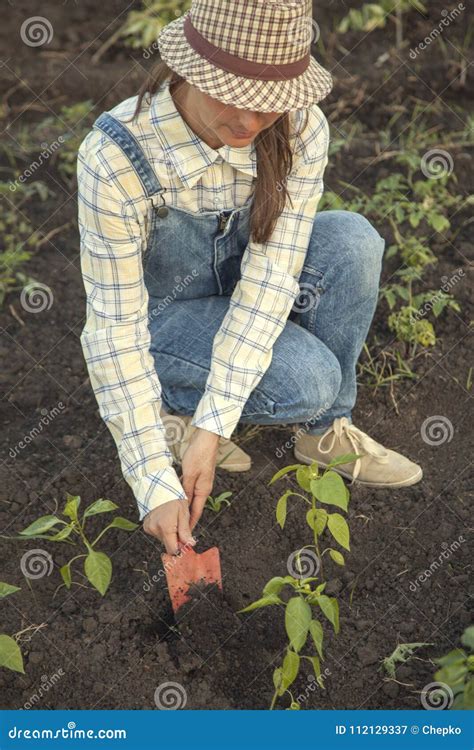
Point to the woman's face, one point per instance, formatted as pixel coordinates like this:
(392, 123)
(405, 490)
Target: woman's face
(217, 123)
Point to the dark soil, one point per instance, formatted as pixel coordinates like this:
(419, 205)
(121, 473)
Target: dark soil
(115, 652)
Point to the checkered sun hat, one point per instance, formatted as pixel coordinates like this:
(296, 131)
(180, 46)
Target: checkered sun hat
(253, 54)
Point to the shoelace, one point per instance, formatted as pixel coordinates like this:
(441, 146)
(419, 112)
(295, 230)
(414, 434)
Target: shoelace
(360, 442)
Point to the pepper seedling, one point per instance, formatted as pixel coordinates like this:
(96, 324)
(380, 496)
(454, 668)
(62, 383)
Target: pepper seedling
(10, 654)
(457, 673)
(326, 488)
(216, 503)
(97, 565)
(299, 623)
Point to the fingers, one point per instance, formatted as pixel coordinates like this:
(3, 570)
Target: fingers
(185, 536)
(197, 507)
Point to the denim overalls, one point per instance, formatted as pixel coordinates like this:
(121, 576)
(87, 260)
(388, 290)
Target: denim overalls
(191, 266)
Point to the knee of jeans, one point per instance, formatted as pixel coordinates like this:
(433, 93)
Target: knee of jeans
(363, 248)
(318, 387)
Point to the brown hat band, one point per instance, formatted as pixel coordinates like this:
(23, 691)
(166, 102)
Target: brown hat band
(239, 65)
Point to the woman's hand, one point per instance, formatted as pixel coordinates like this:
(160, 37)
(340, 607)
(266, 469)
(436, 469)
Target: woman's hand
(172, 523)
(199, 467)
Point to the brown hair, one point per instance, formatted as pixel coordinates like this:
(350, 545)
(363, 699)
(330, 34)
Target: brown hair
(274, 160)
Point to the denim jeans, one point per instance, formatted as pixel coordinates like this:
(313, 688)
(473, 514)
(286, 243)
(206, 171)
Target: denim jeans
(312, 375)
(191, 266)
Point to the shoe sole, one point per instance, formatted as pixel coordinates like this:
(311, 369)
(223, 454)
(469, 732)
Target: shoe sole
(405, 483)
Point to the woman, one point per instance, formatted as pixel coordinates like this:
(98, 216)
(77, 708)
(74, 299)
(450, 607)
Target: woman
(214, 289)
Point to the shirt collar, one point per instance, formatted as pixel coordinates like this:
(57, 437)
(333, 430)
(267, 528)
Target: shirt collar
(190, 155)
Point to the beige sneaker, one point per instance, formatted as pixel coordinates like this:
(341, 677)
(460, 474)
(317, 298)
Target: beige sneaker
(376, 466)
(179, 431)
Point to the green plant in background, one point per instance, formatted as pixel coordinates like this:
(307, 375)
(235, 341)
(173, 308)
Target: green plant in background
(402, 653)
(97, 565)
(457, 671)
(216, 503)
(56, 139)
(18, 238)
(143, 26)
(372, 16)
(323, 487)
(10, 654)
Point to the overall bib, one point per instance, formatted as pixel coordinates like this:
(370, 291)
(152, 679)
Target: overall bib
(191, 266)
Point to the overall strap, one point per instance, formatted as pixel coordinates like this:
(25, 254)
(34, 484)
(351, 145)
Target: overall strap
(132, 149)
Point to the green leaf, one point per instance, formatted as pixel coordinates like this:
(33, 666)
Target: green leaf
(297, 620)
(467, 638)
(316, 519)
(40, 526)
(122, 523)
(281, 510)
(303, 478)
(100, 506)
(62, 534)
(71, 507)
(265, 601)
(469, 694)
(282, 472)
(98, 570)
(66, 575)
(274, 586)
(439, 222)
(330, 607)
(316, 630)
(6, 589)
(290, 668)
(316, 666)
(10, 654)
(336, 556)
(330, 489)
(277, 679)
(456, 656)
(338, 527)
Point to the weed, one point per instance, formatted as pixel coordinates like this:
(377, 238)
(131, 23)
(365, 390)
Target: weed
(402, 654)
(143, 26)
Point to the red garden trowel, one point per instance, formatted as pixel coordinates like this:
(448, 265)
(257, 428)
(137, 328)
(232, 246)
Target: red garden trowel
(190, 568)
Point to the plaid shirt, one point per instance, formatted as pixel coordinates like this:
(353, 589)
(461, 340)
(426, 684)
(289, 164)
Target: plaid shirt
(113, 220)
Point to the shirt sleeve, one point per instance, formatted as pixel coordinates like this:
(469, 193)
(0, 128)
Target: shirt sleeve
(115, 338)
(265, 294)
